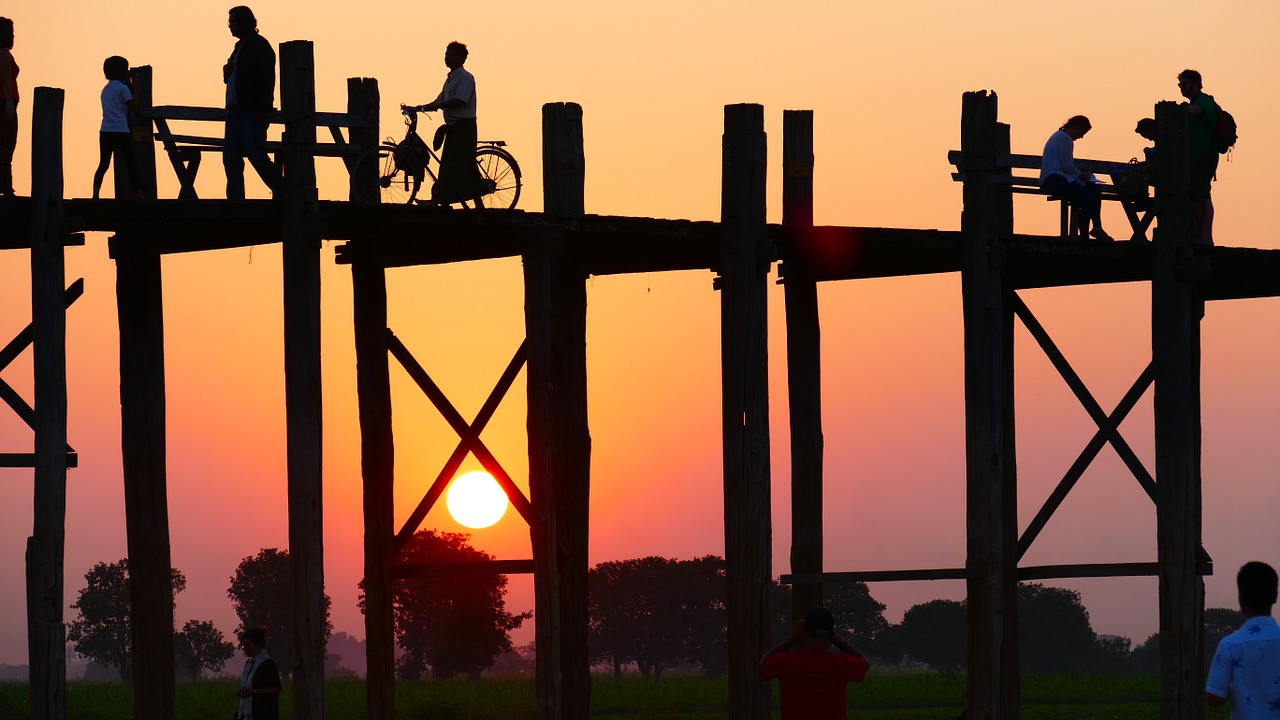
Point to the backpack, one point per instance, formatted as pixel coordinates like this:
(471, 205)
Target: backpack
(1224, 132)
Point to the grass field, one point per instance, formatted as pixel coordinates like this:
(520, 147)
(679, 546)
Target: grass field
(885, 695)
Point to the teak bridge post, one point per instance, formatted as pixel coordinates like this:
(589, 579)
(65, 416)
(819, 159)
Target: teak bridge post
(745, 257)
(301, 240)
(46, 631)
(1176, 310)
(992, 508)
(559, 438)
(804, 363)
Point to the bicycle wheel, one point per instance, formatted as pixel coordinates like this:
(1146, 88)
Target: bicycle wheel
(393, 185)
(502, 176)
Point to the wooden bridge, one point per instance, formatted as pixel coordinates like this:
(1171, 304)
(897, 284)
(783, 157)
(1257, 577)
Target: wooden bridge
(561, 247)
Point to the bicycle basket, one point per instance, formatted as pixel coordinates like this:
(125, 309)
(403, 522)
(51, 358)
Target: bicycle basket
(411, 155)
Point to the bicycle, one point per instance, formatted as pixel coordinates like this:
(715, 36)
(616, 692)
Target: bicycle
(403, 166)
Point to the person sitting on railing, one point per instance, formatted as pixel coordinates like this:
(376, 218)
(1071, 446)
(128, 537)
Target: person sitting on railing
(1060, 176)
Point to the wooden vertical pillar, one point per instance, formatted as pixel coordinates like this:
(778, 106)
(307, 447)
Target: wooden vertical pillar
(1175, 350)
(302, 377)
(377, 466)
(559, 437)
(744, 264)
(362, 101)
(991, 471)
(804, 366)
(139, 305)
(46, 632)
(144, 148)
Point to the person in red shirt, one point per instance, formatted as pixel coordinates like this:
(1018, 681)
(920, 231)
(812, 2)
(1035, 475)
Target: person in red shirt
(812, 667)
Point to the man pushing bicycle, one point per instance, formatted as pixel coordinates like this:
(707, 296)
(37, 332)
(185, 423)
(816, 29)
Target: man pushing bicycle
(459, 177)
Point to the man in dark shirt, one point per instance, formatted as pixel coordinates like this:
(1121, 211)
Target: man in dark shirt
(811, 676)
(1203, 112)
(250, 75)
(259, 691)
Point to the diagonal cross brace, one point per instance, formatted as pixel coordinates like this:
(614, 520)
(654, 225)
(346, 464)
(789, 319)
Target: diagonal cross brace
(15, 347)
(1108, 428)
(468, 434)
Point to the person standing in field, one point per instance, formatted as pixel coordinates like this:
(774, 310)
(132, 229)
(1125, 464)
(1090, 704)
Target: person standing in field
(1246, 667)
(259, 691)
(8, 107)
(813, 667)
(1203, 112)
(250, 75)
(114, 137)
(459, 177)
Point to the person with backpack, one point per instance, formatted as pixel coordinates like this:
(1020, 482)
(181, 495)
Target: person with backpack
(1203, 113)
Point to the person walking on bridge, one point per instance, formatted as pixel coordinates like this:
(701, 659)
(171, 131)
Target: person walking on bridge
(250, 75)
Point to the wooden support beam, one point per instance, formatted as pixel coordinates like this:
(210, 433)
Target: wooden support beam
(302, 382)
(991, 503)
(804, 366)
(144, 144)
(559, 438)
(745, 255)
(140, 307)
(362, 102)
(1175, 351)
(377, 466)
(46, 631)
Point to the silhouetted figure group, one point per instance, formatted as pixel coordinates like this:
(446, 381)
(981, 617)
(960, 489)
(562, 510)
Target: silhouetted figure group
(1059, 175)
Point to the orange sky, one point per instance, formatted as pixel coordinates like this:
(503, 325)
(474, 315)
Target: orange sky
(885, 82)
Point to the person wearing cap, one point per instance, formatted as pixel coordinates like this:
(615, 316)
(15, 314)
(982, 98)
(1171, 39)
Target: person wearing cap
(813, 666)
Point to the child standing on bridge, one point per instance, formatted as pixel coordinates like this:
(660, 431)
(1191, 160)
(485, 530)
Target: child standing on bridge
(115, 138)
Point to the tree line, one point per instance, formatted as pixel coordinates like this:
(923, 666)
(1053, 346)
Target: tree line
(653, 613)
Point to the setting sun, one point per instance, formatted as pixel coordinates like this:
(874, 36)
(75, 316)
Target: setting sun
(475, 500)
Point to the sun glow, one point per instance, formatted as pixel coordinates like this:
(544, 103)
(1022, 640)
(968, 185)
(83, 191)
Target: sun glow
(475, 500)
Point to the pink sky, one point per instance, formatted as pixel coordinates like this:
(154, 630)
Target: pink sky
(885, 83)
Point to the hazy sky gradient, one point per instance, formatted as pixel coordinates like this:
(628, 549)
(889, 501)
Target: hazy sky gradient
(885, 82)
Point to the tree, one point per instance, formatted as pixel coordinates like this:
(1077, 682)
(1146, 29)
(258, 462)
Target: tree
(1054, 634)
(702, 587)
(636, 614)
(450, 625)
(102, 631)
(200, 645)
(934, 633)
(261, 592)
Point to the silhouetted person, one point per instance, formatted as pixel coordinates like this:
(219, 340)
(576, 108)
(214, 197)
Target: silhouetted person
(9, 107)
(813, 666)
(250, 75)
(1146, 129)
(114, 138)
(1060, 176)
(1246, 667)
(1203, 112)
(259, 691)
(459, 177)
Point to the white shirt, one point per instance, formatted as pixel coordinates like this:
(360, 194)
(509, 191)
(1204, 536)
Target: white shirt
(115, 111)
(1246, 668)
(459, 85)
(1057, 159)
(246, 681)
